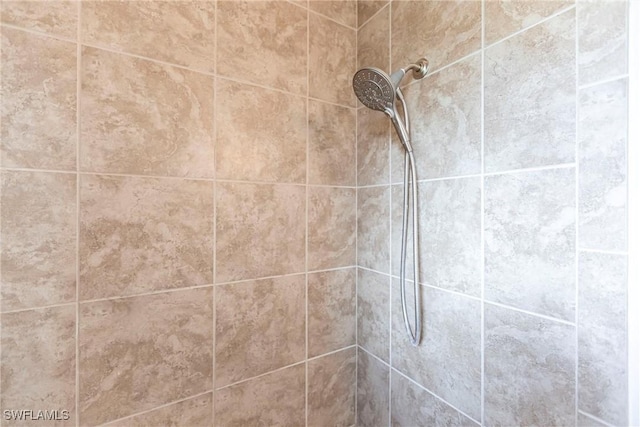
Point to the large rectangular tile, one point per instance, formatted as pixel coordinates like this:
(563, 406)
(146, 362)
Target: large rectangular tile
(602, 146)
(38, 246)
(144, 234)
(260, 134)
(332, 389)
(38, 108)
(530, 241)
(373, 391)
(39, 363)
(602, 336)
(529, 367)
(332, 61)
(448, 31)
(260, 326)
(178, 32)
(56, 17)
(448, 359)
(263, 42)
(373, 41)
(260, 230)
(167, 356)
(332, 144)
(374, 228)
(529, 87)
(373, 147)
(194, 412)
(141, 117)
(331, 310)
(332, 227)
(274, 399)
(373, 313)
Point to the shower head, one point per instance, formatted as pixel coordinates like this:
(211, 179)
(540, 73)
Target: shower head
(375, 90)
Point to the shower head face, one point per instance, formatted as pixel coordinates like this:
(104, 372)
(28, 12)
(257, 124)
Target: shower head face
(375, 89)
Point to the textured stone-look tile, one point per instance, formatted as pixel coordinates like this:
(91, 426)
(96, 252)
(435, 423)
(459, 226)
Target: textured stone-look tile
(368, 8)
(373, 391)
(373, 313)
(39, 361)
(602, 39)
(273, 399)
(530, 97)
(332, 144)
(332, 310)
(530, 241)
(332, 63)
(144, 234)
(52, 17)
(373, 228)
(446, 130)
(141, 117)
(260, 326)
(263, 42)
(179, 32)
(450, 246)
(529, 367)
(585, 421)
(449, 30)
(602, 336)
(166, 357)
(255, 143)
(505, 17)
(602, 140)
(195, 412)
(373, 147)
(373, 42)
(38, 108)
(414, 406)
(332, 389)
(38, 246)
(332, 227)
(260, 230)
(343, 11)
(447, 362)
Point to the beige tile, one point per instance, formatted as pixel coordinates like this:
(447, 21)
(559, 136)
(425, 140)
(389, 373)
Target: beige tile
(373, 228)
(167, 356)
(368, 8)
(602, 39)
(195, 412)
(332, 390)
(274, 399)
(144, 234)
(373, 147)
(332, 310)
(373, 391)
(141, 117)
(261, 134)
(260, 230)
(450, 30)
(38, 106)
(505, 17)
(179, 32)
(530, 97)
(263, 42)
(373, 42)
(332, 227)
(332, 144)
(52, 17)
(39, 362)
(38, 246)
(260, 326)
(529, 369)
(343, 11)
(332, 63)
(373, 313)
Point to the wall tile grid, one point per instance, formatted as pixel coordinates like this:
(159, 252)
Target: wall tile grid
(178, 193)
(520, 135)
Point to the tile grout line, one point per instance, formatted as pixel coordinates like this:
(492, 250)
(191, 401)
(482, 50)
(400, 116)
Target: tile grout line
(576, 240)
(594, 418)
(390, 221)
(603, 81)
(306, 234)
(374, 15)
(355, 320)
(78, 200)
(482, 208)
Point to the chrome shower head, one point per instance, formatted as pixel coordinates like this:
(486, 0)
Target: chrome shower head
(375, 90)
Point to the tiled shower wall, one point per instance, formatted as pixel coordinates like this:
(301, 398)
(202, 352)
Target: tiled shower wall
(179, 211)
(520, 138)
